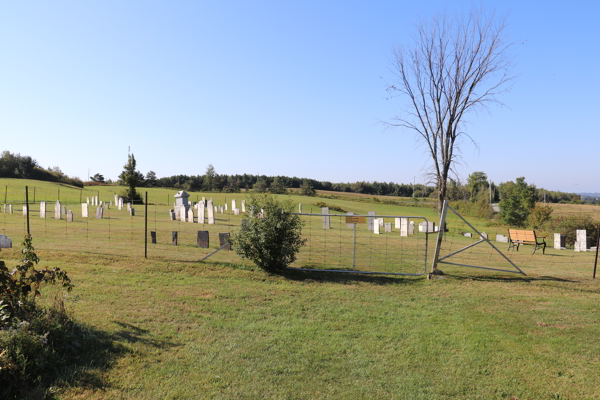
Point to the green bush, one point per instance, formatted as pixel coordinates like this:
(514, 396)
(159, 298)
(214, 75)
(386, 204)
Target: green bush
(568, 226)
(272, 238)
(322, 204)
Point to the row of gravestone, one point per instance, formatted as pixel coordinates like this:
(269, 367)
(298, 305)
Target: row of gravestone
(202, 239)
(374, 224)
(60, 210)
(183, 213)
(583, 243)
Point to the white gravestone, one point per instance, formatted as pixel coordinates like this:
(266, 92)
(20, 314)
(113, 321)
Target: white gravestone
(69, 216)
(423, 227)
(243, 206)
(370, 220)
(468, 234)
(300, 208)
(376, 226)
(84, 210)
(582, 243)
(403, 226)
(24, 210)
(42, 209)
(501, 239)
(190, 215)
(411, 227)
(57, 210)
(380, 222)
(201, 213)
(225, 207)
(430, 226)
(181, 213)
(397, 223)
(233, 204)
(388, 227)
(87, 199)
(559, 241)
(483, 235)
(99, 213)
(5, 242)
(236, 211)
(211, 213)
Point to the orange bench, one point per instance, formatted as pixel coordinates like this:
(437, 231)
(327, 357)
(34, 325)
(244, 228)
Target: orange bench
(518, 237)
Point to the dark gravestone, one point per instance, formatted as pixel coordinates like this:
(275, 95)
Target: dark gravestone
(202, 239)
(153, 234)
(224, 240)
(175, 242)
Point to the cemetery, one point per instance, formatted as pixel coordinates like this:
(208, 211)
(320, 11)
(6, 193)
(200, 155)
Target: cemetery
(184, 228)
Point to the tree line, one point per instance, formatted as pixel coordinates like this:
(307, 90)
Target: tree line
(25, 167)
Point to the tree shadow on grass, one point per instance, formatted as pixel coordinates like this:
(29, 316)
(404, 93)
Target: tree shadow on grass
(347, 277)
(517, 278)
(90, 354)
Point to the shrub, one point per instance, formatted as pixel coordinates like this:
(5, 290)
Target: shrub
(270, 239)
(322, 204)
(568, 226)
(540, 215)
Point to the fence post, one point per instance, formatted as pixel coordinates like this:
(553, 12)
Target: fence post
(146, 226)
(440, 235)
(27, 206)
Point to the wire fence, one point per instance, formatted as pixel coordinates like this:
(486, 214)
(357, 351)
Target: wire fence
(332, 242)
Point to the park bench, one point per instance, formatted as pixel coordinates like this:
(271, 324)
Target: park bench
(518, 237)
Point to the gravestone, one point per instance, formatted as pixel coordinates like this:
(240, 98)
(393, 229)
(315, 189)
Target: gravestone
(403, 226)
(211, 213)
(181, 213)
(224, 241)
(388, 227)
(120, 206)
(116, 199)
(221, 209)
(174, 239)
(351, 225)
(559, 241)
(225, 208)
(583, 243)
(201, 213)
(411, 227)
(468, 234)
(483, 235)
(42, 209)
(370, 220)
(202, 239)
(236, 211)
(132, 212)
(57, 210)
(501, 239)
(243, 206)
(128, 206)
(87, 199)
(300, 208)
(181, 200)
(63, 210)
(430, 226)
(376, 226)
(172, 215)
(423, 226)
(233, 204)
(153, 236)
(24, 210)
(5, 242)
(381, 222)
(84, 210)
(216, 209)
(190, 215)
(397, 223)
(69, 216)
(99, 213)
(325, 210)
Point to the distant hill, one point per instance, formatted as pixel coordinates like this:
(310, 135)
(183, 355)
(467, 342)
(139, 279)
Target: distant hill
(589, 194)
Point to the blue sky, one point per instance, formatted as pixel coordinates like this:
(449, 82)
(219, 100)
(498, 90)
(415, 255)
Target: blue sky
(283, 88)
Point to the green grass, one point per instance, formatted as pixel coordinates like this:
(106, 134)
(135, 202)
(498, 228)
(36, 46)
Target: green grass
(189, 330)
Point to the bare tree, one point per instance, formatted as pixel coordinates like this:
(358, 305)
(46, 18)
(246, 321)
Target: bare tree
(457, 65)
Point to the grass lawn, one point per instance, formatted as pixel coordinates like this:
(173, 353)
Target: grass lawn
(221, 329)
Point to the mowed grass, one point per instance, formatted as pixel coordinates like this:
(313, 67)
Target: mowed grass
(222, 329)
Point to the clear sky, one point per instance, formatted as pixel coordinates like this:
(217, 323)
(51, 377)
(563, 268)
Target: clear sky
(291, 88)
